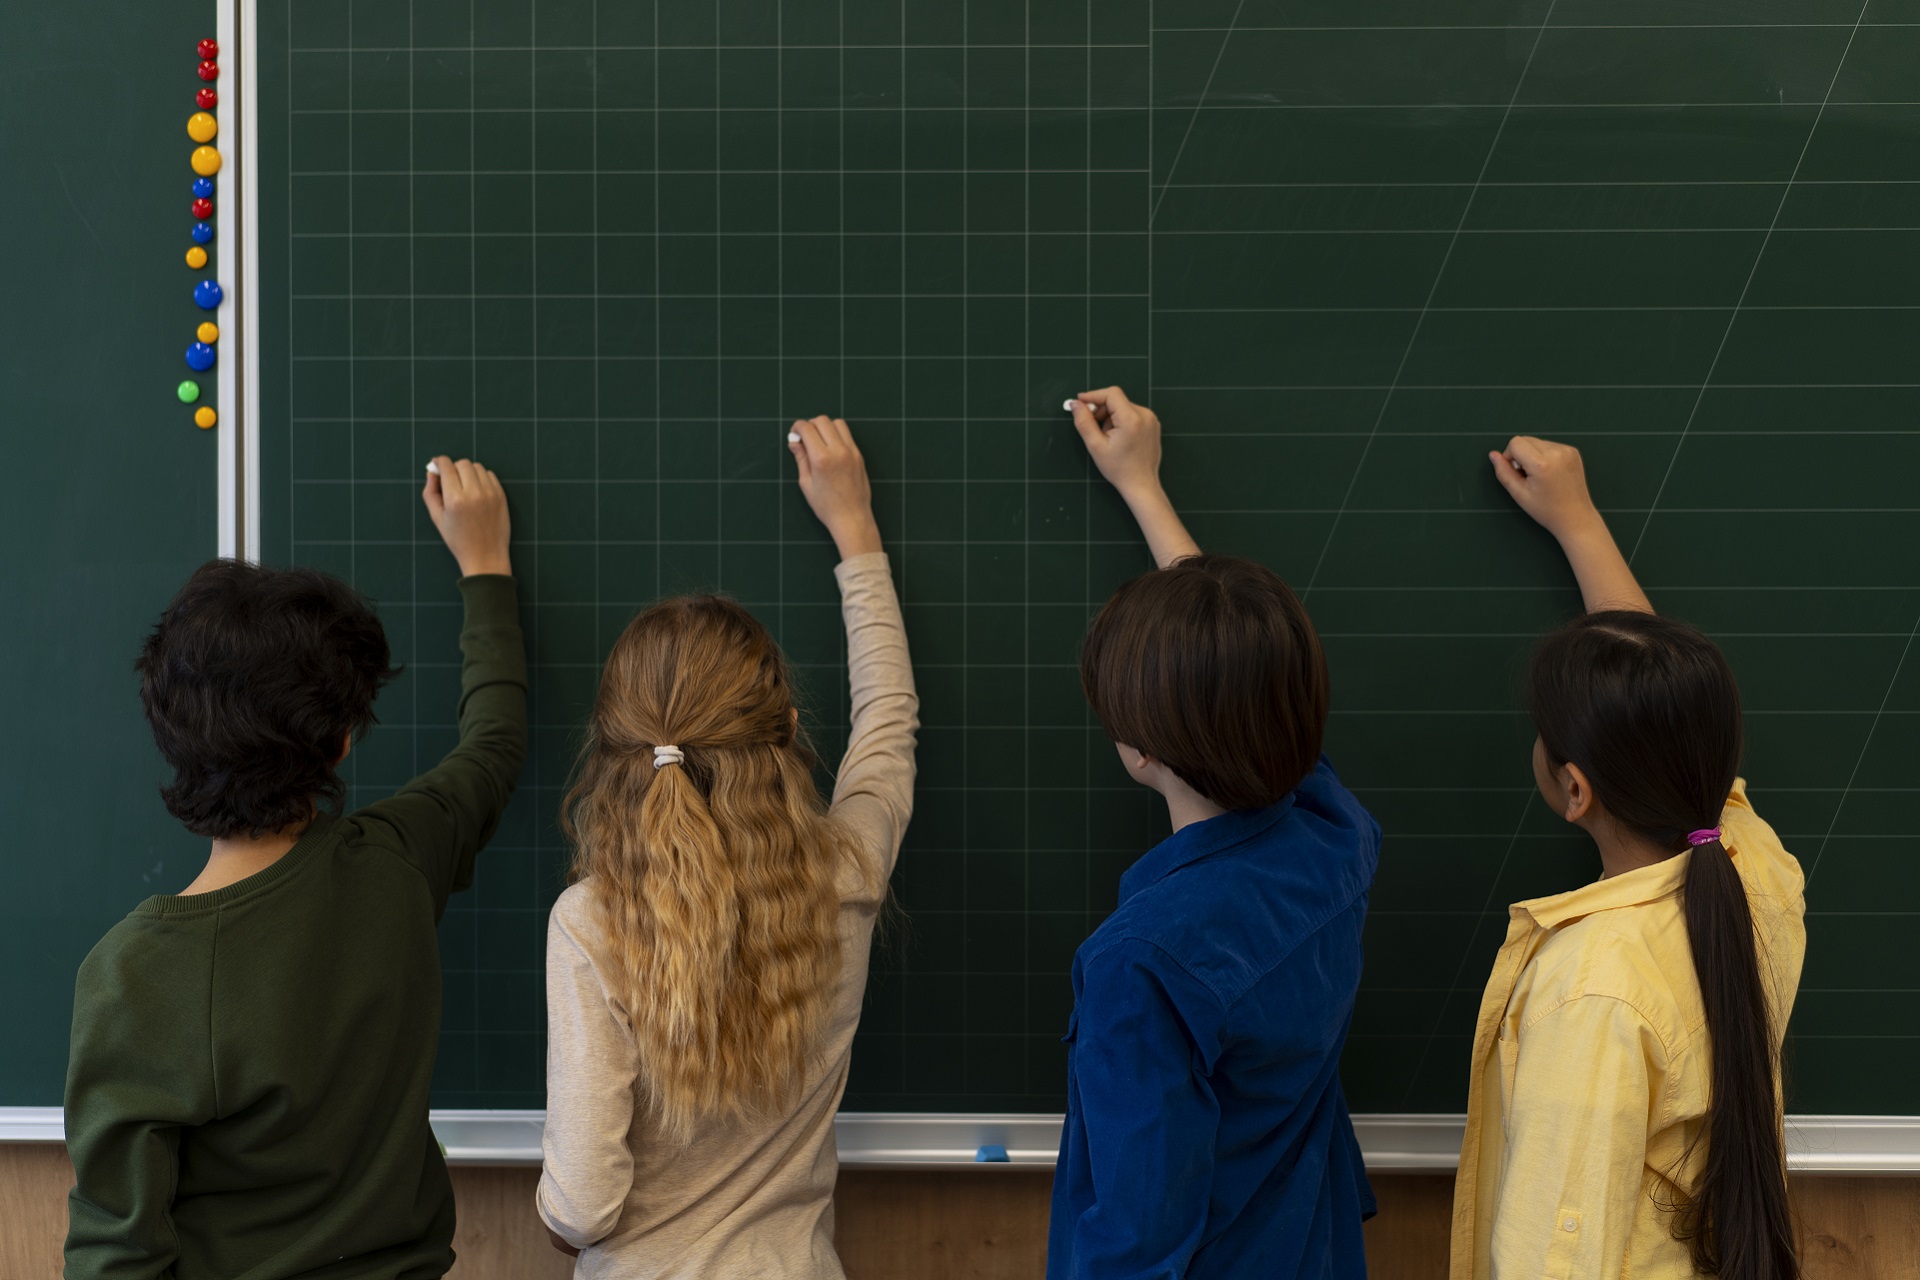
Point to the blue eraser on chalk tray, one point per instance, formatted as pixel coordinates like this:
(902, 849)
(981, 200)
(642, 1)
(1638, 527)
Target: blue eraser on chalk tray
(992, 1153)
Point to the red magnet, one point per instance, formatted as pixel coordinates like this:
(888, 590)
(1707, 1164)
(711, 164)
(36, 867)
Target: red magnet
(209, 69)
(209, 50)
(207, 99)
(203, 209)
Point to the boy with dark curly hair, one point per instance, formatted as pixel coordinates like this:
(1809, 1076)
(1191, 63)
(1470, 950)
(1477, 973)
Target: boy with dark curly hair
(247, 1089)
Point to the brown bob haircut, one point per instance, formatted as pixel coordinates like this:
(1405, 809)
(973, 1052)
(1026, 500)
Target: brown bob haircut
(1212, 667)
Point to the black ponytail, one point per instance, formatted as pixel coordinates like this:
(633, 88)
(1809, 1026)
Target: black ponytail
(1649, 710)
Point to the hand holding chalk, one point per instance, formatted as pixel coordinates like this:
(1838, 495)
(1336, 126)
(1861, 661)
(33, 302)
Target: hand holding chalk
(833, 476)
(1548, 480)
(1122, 437)
(468, 506)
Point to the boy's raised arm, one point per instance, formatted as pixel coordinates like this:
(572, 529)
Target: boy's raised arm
(1123, 439)
(447, 814)
(1549, 482)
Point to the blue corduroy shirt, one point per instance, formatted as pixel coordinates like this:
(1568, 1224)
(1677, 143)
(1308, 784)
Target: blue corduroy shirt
(1206, 1131)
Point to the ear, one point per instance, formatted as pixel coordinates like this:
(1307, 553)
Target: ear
(346, 745)
(1136, 761)
(1578, 789)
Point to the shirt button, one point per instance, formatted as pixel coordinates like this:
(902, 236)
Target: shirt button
(1570, 1225)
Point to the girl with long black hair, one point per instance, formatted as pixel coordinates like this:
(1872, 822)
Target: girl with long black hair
(1624, 1111)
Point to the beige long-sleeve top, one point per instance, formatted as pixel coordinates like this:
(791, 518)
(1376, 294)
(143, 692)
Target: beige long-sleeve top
(741, 1200)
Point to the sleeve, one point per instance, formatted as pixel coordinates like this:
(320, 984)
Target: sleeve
(139, 1075)
(442, 818)
(874, 790)
(1146, 1033)
(1577, 1143)
(591, 1068)
(1756, 848)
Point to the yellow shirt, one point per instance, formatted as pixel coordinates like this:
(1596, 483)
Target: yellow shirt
(1591, 1069)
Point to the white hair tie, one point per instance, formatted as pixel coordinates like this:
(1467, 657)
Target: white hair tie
(664, 756)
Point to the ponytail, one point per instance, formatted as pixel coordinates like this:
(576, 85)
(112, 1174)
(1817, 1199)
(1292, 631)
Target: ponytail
(1736, 1221)
(713, 863)
(1649, 709)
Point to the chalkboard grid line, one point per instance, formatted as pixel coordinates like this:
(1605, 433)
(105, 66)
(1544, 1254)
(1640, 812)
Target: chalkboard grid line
(413, 411)
(1086, 481)
(1752, 271)
(1769, 104)
(1420, 321)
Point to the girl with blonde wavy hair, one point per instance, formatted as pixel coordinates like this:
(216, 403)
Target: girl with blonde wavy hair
(705, 967)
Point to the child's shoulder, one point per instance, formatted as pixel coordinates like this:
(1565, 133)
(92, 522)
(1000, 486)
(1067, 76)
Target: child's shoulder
(149, 947)
(1757, 850)
(575, 912)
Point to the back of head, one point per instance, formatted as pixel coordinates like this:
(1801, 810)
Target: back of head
(1649, 709)
(715, 873)
(252, 681)
(1212, 667)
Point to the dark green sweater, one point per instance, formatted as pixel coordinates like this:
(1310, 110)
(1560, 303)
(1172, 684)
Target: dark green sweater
(247, 1092)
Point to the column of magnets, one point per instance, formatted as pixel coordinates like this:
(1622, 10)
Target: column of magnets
(203, 128)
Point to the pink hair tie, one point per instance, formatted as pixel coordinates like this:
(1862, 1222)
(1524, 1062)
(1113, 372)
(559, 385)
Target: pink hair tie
(1706, 836)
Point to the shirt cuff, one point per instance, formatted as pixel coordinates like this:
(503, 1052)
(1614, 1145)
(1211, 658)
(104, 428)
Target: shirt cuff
(862, 565)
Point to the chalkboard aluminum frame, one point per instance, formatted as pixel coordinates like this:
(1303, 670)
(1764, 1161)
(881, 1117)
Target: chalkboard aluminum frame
(1837, 1145)
(1826, 1144)
(237, 213)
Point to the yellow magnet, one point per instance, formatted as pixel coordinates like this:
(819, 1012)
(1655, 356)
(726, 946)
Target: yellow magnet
(196, 257)
(204, 417)
(208, 333)
(201, 127)
(206, 161)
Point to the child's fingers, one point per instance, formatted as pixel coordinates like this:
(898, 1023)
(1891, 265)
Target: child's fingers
(845, 433)
(1529, 453)
(436, 503)
(1503, 471)
(463, 480)
(1105, 397)
(1088, 426)
(809, 440)
(1111, 405)
(799, 452)
(828, 437)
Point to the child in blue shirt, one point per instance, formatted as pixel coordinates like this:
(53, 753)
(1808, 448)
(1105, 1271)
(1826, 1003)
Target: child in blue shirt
(1206, 1131)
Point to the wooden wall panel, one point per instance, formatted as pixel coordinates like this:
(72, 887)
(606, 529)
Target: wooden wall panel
(976, 1224)
(34, 1178)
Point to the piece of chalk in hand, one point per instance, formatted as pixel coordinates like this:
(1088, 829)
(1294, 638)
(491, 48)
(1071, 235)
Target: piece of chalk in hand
(433, 468)
(793, 437)
(1071, 405)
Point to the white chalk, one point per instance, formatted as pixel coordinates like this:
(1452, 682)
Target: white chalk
(1071, 405)
(793, 437)
(433, 468)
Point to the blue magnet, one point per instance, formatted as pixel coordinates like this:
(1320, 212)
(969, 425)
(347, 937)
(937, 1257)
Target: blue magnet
(991, 1153)
(202, 232)
(203, 188)
(207, 294)
(199, 357)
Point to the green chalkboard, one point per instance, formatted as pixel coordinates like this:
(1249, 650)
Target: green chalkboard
(1342, 248)
(110, 487)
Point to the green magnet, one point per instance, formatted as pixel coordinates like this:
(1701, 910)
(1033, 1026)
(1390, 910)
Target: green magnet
(189, 391)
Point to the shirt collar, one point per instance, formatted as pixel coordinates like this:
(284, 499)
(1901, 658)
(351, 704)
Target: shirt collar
(1198, 839)
(1628, 889)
